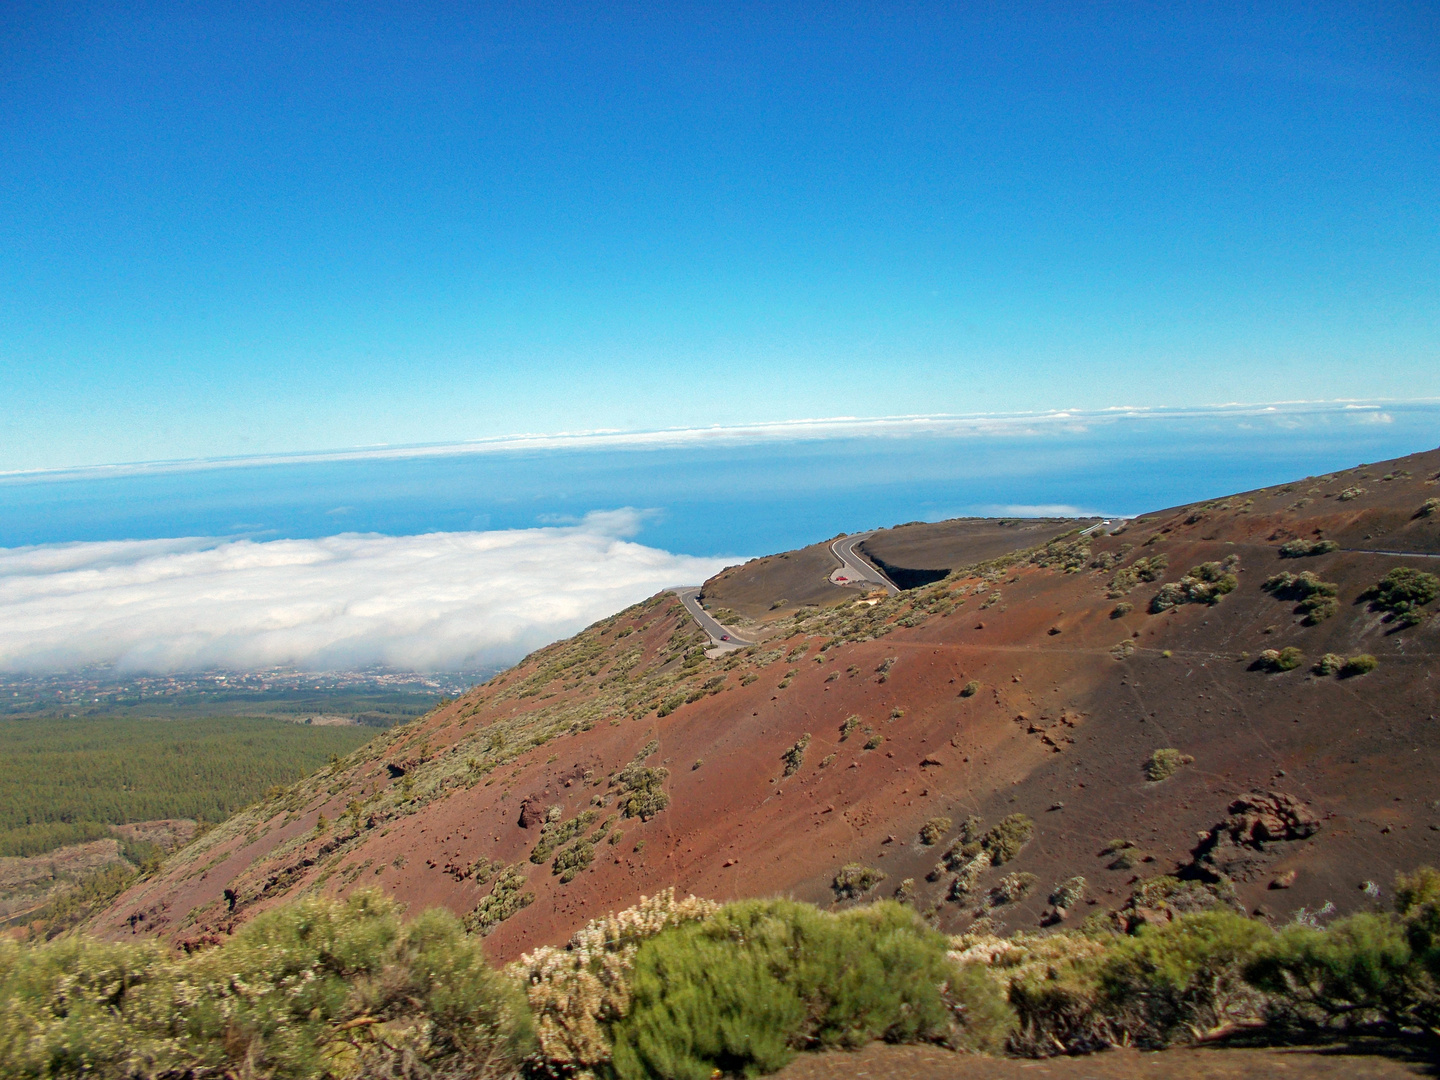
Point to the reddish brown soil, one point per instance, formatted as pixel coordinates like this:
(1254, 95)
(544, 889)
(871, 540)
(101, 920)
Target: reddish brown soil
(1354, 1061)
(1059, 731)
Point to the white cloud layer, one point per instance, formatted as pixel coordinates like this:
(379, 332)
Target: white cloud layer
(442, 601)
(1290, 414)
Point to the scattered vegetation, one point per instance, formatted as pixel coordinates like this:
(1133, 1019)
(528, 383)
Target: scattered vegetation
(507, 897)
(1204, 584)
(345, 988)
(1003, 842)
(1316, 599)
(935, 830)
(1012, 887)
(848, 727)
(1145, 569)
(795, 756)
(555, 833)
(1359, 665)
(1165, 763)
(1402, 593)
(1286, 659)
(1069, 553)
(1299, 549)
(1068, 893)
(320, 987)
(640, 789)
(570, 861)
(854, 880)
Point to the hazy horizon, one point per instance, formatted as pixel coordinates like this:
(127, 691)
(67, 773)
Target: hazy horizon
(456, 558)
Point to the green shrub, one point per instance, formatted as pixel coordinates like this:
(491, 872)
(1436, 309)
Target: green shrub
(853, 879)
(1143, 569)
(1052, 984)
(1164, 763)
(1427, 508)
(1286, 659)
(1005, 840)
(320, 987)
(934, 830)
(1012, 887)
(1402, 593)
(1330, 664)
(741, 991)
(1316, 599)
(506, 898)
(1355, 971)
(556, 833)
(1069, 892)
(1359, 665)
(570, 861)
(795, 756)
(970, 689)
(848, 727)
(1122, 609)
(641, 789)
(874, 742)
(1182, 978)
(1204, 584)
(1298, 549)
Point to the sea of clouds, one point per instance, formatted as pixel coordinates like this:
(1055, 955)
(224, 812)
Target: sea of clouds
(437, 602)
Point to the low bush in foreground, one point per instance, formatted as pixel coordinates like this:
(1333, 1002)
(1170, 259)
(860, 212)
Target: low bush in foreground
(320, 988)
(337, 989)
(740, 992)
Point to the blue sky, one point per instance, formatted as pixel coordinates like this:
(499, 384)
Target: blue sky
(231, 229)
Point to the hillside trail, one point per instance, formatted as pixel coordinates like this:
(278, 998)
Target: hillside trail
(1358, 1060)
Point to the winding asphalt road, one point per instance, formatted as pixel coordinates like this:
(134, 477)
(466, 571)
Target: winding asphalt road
(721, 636)
(854, 567)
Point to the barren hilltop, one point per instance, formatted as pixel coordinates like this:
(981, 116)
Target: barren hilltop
(1232, 701)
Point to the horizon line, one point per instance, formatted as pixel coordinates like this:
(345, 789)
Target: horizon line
(795, 430)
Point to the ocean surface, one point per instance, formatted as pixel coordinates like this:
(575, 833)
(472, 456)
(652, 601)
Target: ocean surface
(724, 497)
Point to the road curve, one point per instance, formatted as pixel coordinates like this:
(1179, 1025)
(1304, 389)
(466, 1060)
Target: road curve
(690, 596)
(854, 567)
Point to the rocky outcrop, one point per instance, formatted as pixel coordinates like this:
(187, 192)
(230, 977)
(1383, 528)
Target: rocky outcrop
(1240, 847)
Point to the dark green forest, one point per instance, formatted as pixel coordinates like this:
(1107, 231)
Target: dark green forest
(65, 779)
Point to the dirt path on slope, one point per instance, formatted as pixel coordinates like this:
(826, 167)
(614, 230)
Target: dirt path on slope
(1352, 1061)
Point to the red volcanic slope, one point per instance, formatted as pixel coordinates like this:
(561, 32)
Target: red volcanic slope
(1075, 693)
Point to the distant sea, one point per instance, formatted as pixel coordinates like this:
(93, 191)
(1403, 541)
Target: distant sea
(726, 496)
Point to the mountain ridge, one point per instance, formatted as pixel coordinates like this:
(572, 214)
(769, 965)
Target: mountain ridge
(743, 775)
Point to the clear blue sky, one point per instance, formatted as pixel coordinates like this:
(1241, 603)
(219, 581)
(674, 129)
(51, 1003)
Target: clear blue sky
(231, 228)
